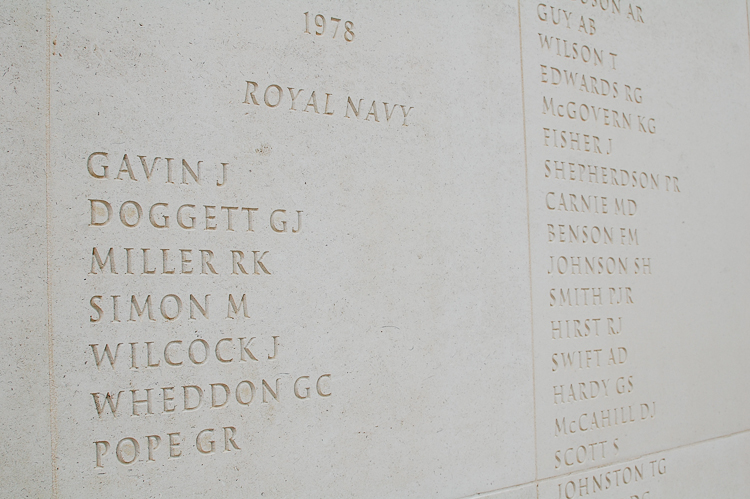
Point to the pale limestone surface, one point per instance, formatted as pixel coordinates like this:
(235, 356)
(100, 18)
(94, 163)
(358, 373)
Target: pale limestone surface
(400, 304)
(25, 466)
(685, 330)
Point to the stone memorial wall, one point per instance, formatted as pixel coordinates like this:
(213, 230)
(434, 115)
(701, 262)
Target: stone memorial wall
(375, 249)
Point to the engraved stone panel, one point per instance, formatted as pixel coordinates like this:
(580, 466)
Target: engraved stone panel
(287, 252)
(375, 249)
(636, 123)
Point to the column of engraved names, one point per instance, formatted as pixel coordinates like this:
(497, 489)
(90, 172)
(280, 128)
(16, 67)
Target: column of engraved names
(164, 341)
(596, 259)
(172, 342)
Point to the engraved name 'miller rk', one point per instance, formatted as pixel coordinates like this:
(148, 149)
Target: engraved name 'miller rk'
(324, 103)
